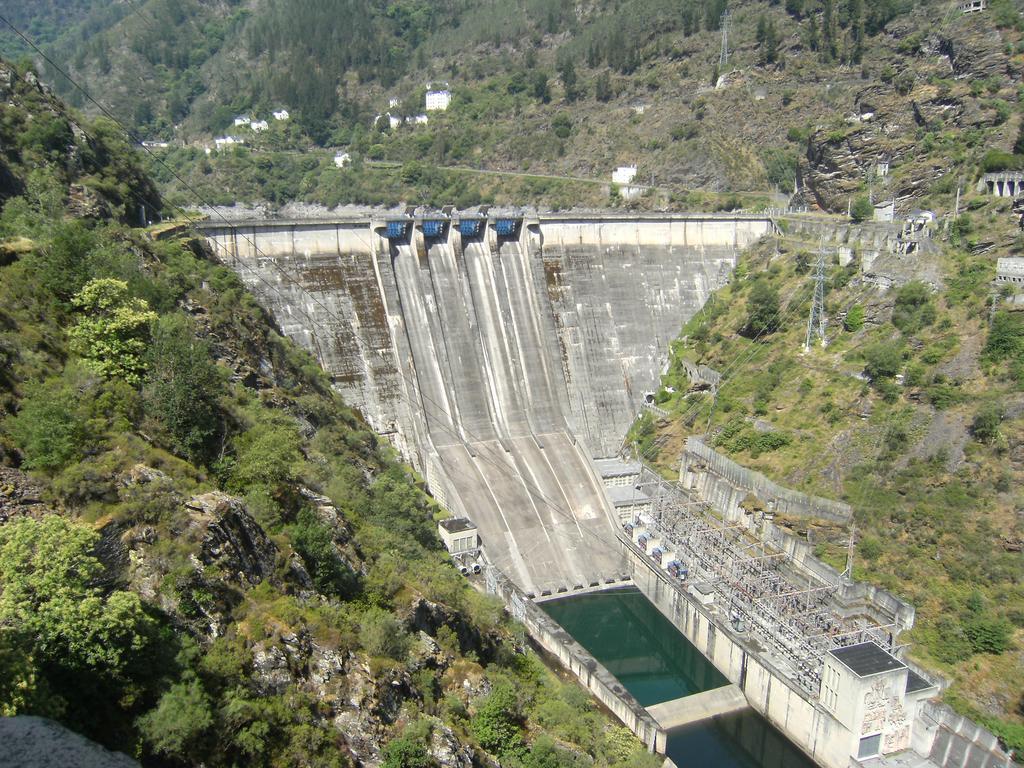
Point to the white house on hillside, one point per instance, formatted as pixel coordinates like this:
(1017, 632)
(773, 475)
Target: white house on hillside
(438, 100)
(226, 142)
(624, 174)
(259, 125)
(281, 114)
(242, 120)
(342, 159)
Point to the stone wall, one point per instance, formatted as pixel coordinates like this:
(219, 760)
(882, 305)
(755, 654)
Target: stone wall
(725, 484)
(702, 374)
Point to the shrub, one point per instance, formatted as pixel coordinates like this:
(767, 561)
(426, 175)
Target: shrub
(854, 319)
(407, 752)
(883, 359)
(988, 635)
(52, 428)
(1006, 337)
(862, 209)
(762, 309)
(913, 309)
(312, 539)
(870, 548)
(496, 724)
(180, 718)
(382, 635)
(985, 426)
(268, 456)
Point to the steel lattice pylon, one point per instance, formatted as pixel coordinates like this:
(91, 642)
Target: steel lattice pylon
(816, 322)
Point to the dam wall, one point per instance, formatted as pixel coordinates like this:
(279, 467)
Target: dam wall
(591, 301)
(499, 354)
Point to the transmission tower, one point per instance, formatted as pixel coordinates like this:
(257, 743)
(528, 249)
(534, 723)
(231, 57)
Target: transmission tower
(816, 322)
(724, 58)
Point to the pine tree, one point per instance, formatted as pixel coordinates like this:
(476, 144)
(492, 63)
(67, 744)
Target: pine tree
(855, 17)
(811, 37)
(567, 74)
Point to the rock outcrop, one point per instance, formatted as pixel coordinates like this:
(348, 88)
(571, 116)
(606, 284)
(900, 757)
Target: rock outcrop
(231, 539)
(35, 742)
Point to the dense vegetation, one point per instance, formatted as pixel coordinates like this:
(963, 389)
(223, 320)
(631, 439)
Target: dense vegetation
(137, 378)
(913, 414)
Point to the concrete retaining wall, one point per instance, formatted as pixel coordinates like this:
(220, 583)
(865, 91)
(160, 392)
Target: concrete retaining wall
(952, 741)
(547, 633)
(852, 598)
(725, 484)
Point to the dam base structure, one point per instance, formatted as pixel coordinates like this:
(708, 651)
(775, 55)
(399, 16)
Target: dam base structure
(499, 353)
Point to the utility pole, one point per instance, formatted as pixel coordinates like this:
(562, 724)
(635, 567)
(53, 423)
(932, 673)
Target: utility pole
(816, 322)
(724, 58)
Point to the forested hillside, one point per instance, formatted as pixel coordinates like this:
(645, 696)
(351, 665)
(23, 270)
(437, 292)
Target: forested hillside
(913, 414)
(206, 558)
(44, 21)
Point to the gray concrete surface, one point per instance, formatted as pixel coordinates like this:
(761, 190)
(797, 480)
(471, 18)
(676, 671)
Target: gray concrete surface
(699, 706)
(499, 366)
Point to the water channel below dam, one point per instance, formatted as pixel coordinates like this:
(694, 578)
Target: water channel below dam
(655, 663)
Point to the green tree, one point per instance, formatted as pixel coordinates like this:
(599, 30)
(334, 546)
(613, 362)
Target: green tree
(112, 331)
(52, 426)
(50, 603)
(381, 634)
(987, 421)
(762, 309)
(267, 455)
(178, 721)
(567, 74)
(496, 724)
(768, 40)
(182, 389)
(854, 319)
(883, 359)
(603, 87)
(862, 209)
(913, 308)
(540, 87)
(1018, 145)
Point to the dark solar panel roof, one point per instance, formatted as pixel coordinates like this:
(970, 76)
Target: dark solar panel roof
(916, 683)
(867, 659)
(457, 524)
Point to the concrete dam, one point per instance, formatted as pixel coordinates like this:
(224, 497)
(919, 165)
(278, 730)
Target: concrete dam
(500, 354)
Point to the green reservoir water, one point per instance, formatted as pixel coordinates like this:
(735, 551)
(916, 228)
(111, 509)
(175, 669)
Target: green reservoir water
(655, 663)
